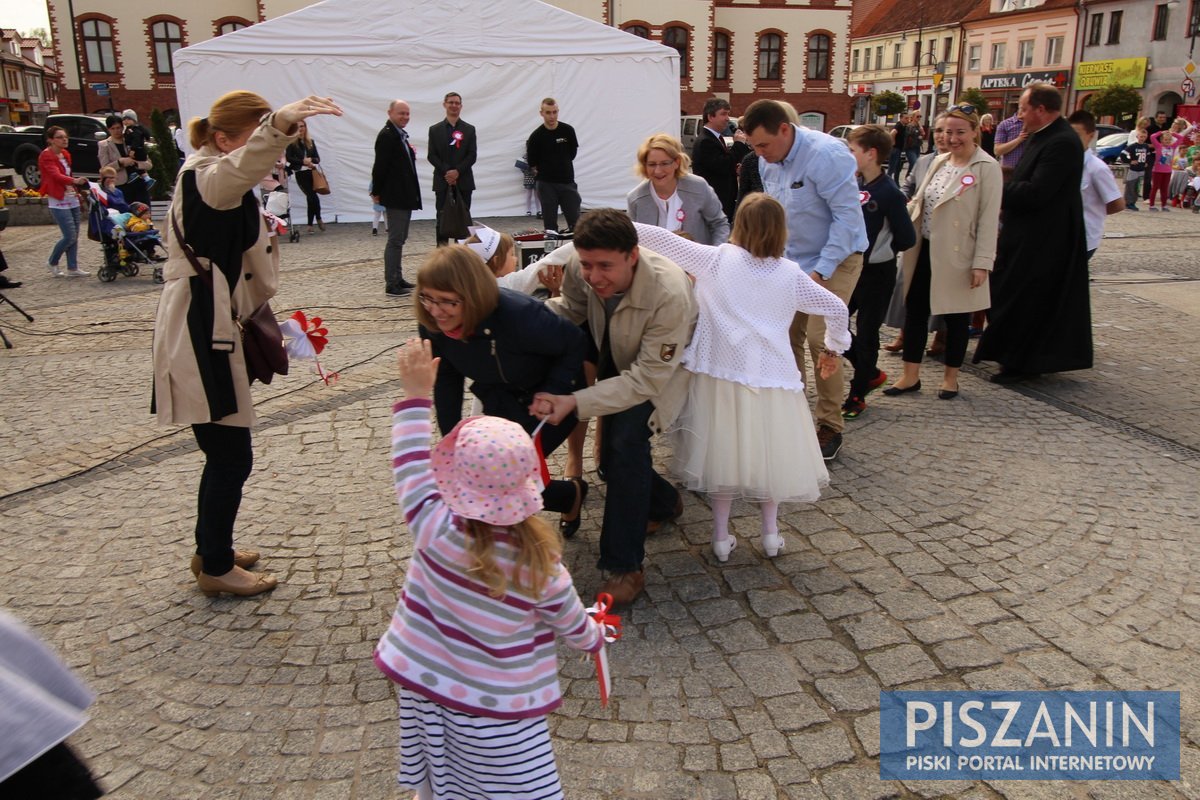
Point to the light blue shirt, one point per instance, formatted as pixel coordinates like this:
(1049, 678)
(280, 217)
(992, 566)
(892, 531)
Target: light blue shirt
(817, 187)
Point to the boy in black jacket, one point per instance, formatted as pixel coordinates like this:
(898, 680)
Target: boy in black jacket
(889, 232)
(1139, 156)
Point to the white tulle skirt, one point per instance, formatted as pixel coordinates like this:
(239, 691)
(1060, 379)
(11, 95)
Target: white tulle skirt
(757, 444)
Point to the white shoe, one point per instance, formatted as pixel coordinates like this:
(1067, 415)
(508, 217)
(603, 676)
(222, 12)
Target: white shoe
(55, 271)
(77, 273)
(723, 547)
(772, 543)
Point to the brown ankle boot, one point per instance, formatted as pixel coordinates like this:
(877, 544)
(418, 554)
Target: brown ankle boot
(243, 558)
(237, 581)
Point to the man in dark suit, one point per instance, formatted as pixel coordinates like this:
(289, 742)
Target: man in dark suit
(452, 151)
(394, 186)
(715, 161)
(1040, 320)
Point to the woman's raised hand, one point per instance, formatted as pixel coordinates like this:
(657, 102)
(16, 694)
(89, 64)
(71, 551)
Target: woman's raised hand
(287, 116)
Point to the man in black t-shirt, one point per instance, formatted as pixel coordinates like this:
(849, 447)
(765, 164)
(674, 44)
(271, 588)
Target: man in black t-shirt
(550, 152)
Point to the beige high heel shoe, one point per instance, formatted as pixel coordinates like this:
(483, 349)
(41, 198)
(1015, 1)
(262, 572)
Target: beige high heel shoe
(237, 582)
(243, 558)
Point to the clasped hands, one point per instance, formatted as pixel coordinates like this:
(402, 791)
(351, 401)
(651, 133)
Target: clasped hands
(553, 408)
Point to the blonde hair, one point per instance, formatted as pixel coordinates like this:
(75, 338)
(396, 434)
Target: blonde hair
(503, 248)
(304, 137)
(760, 226)
(108, 171)
(669, 145)
(459, 269)
(232, 114)
(539, 554)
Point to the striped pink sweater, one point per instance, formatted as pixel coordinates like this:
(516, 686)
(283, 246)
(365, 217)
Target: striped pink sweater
(449, 640)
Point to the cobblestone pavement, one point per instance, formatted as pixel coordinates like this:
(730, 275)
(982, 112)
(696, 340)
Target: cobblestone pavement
(1032, 538)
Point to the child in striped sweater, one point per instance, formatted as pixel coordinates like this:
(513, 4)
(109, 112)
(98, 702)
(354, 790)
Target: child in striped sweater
(471, 643)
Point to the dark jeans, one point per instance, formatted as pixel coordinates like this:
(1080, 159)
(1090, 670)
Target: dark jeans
(228, 459)
(912, 155)
(440, 195)
(894, 164)
(916, 318)
(398, 220)
(636, 493)
(136, 191)
(552, 195)
(304, 181)
(870, 301)
(1131, 189)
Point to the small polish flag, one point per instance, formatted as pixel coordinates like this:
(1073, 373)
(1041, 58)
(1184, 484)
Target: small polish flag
(543, 470)
(98, 193)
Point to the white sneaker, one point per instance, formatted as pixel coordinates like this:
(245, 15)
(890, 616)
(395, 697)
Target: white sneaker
(772, 543)
(77, 273)
(54, 270)
(723, 547)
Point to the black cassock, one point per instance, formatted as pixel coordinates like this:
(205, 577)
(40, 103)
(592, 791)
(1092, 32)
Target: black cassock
(1041, 319)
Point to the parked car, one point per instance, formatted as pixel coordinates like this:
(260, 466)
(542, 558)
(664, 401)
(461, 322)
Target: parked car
(1108, 130)
(19, 150)
(1110, 146)
(841, 131)
(690, 125)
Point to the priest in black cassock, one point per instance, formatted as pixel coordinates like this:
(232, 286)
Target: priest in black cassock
(1041, 318)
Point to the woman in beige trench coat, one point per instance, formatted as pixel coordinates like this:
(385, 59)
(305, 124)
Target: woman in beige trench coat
(200, 374)
(956, 211)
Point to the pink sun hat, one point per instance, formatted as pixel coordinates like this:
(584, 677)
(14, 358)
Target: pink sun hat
(487, 469)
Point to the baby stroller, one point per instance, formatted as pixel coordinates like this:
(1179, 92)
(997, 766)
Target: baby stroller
(275, 199)
(124, 251)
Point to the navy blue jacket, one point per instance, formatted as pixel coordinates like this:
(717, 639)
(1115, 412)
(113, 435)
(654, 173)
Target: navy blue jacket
(889, 229)
(519, 349)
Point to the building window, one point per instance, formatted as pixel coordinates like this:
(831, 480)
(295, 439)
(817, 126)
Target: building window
(997, 56)
(678, 38)
(1161, 17)
(1114, 27)
(230, 27)
(1097, 25)
(854, 62)
(974, 55)
(867, 60)
(721, 56)
(947, 48)
(1025, 53)
(14, 80)
(638, 30)
(769, 46)
(896, 56)
(167, 38)
(98, 45)
(818, 57)
(1054, 46)
(917, 53)
(1193, 21)
(879, 57)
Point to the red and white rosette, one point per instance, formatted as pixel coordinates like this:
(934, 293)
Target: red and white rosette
(864, 197)
(967, 181)
(457, 139)
(680, 215)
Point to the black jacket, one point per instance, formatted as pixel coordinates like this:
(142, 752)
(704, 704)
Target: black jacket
(718, 166)
(296, 153)
(394, 175)
(446, 156)
(519, 349)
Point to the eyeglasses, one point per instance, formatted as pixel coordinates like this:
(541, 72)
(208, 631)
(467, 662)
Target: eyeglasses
(659, 164)
(444, 305)
(965, 108)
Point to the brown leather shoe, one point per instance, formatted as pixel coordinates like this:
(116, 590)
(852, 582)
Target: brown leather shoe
(243, 558)
(624, 587)
(654, 526)
(237, 581)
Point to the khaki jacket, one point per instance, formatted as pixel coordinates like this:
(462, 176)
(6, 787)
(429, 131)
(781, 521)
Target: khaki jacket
(108, 155)
(189, 330)
(962, 235)
(650, 329)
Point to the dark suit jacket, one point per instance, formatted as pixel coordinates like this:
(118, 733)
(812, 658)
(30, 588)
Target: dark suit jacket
(445, 156)
(394, 175)
(718, 166)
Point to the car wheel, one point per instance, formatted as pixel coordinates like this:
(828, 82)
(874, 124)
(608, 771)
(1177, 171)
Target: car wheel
(31, 174)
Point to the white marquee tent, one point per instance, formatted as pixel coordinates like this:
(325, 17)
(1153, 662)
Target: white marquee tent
(502, 56)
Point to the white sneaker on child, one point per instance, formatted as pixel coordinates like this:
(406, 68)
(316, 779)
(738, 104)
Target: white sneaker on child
(723, 547)
(772, 543)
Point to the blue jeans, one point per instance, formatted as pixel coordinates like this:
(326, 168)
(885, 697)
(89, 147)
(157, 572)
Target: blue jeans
(68, 223)
(636, 493)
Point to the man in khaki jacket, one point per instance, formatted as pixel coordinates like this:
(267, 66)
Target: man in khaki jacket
(640, 311)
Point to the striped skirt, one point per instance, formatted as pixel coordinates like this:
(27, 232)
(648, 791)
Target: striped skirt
(465, 757)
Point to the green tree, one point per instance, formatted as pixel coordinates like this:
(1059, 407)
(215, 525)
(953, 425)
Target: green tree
(887, 103)
(974, 97)
(164, 158)
(1118, 101)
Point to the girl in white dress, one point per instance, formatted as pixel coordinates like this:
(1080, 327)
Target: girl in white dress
(746, 430)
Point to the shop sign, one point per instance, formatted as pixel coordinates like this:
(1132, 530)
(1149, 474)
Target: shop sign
(1115, 71)
(1019, 80)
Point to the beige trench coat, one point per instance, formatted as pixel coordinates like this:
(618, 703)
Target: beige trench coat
(649, 330)
(222, 182)
(962, 235)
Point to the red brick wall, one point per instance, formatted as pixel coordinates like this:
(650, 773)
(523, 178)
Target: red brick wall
(141, 101)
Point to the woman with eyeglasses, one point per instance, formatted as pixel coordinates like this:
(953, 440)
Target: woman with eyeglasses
(64, 191)
(510, 346)
(672, 198)
(957, 207)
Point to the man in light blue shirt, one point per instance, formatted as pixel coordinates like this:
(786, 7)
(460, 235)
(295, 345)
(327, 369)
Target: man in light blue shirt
(813, 176)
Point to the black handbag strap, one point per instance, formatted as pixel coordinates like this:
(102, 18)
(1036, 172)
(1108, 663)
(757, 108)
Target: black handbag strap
(205, 274)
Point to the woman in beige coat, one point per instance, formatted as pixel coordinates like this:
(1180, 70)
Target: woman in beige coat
(956, 210)
(200, 376)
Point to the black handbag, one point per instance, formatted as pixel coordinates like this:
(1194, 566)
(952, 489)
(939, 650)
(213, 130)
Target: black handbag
(262, 341)
(456, 217)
